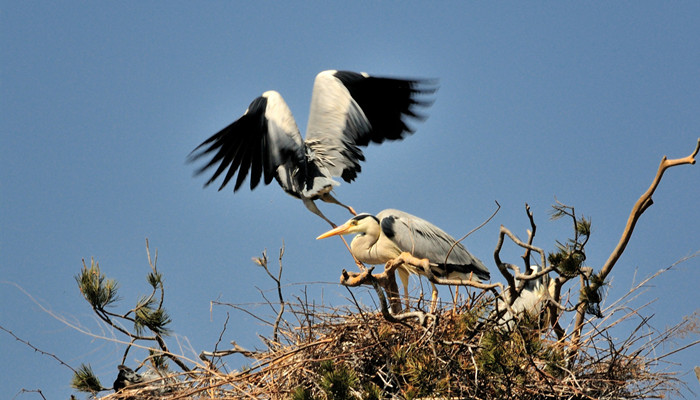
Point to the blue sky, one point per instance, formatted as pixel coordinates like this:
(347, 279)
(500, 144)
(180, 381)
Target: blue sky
(102, 102)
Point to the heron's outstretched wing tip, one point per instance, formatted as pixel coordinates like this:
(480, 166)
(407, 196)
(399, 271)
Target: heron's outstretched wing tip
(194, 155)
(428, 85)
(262, 138)
(349, 110)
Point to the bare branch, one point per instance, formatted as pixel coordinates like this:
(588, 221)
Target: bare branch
(222, 353)
(503, 267)
(644, 202)
(498, 207)
(239, 308)
(31, 391)
(530, 236)
(641, 205)
(17, 338)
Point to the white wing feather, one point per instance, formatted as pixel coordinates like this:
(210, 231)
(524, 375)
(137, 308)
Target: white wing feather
(332, 112)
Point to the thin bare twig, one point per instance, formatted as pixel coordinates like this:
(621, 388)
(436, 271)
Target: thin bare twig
(31, 391)
(447, 256)
(262, 261)
(17, 338)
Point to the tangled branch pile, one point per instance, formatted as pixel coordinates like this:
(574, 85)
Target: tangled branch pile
(329, 354)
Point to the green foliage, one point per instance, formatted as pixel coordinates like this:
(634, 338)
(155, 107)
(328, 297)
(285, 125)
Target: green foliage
(337, 381)
(399, 355)
(567, 260)
(302, 393)
(149, 319)
(425, 375)
(158, 360)
(155, 279)
(99, 291)
(420, 371)
(148, 316)
(495, 357)
(583, 227)
(372, 392)
(569, 256)
(554, 358)
(465, 323)
(508, 359)
(85, 380)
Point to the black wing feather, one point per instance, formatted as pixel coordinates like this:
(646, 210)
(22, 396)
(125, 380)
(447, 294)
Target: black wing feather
(386, 103)
(239, 147)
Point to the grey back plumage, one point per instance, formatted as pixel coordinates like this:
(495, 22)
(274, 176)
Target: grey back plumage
(424, 240)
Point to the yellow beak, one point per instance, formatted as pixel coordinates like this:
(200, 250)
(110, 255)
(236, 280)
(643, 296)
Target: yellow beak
(342, 229)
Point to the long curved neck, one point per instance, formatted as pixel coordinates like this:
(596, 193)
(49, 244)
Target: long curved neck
(364, 245)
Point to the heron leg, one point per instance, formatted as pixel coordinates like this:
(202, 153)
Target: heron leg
(312, 207)
(393, 291)
(328, 198)
(404, 275)
(433, 299)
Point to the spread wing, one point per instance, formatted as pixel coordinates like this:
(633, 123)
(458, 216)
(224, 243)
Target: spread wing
(349, 110)
(425, 240)
(261, 140)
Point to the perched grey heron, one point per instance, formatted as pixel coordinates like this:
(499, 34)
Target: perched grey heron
(152, 381)
(531, 300)
(384, 237)
(125, 378)
(348, 110)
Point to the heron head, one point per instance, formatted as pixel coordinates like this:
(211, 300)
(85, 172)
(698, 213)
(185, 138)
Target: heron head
(357, 224)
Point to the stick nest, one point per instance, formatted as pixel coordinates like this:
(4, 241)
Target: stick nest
(458, 354)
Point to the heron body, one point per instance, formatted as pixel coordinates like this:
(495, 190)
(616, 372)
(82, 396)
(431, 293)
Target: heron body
(384, 237)
(125, 378)
(152, 380)
(348, 110)
(530, 301)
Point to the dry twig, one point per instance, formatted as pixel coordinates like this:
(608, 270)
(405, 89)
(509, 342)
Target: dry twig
(644, 202)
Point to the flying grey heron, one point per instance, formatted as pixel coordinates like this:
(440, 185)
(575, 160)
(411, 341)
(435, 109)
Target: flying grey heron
(347, 110)
(384, 237)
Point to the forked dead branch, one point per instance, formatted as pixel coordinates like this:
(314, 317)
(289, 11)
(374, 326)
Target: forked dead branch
(645, 201)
